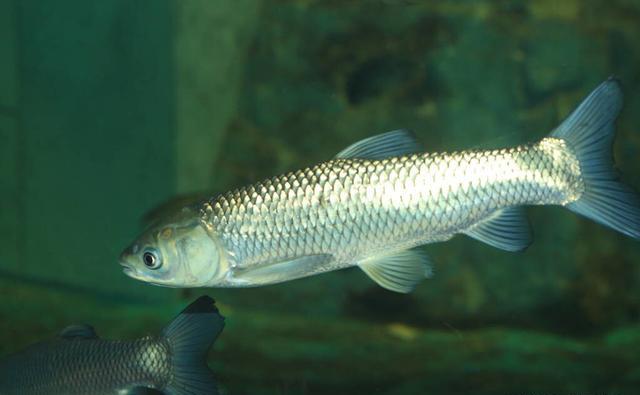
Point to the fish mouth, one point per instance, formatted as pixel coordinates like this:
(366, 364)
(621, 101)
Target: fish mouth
(128, 270)
(136, 275)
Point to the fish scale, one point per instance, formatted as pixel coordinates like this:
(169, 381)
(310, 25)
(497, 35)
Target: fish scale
(345, 206)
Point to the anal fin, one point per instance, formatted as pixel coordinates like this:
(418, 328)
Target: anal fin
(507, 229)
(399, 271)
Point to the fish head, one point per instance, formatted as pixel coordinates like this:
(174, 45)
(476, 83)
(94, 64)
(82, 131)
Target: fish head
(174, 252)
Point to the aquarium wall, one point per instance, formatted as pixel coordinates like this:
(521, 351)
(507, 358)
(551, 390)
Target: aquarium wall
(111, 108)
(93, 114)
(110, 105)
(9, 134)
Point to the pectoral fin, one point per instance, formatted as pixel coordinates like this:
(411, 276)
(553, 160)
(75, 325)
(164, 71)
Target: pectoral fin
(400, 271)
(143, 391)
(507, 229)
(286, 270)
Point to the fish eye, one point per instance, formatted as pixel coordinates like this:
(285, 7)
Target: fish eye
(151, 259)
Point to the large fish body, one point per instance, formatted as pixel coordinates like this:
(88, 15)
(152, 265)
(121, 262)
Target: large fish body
(77, 362)
(348, 210)
(381, 197)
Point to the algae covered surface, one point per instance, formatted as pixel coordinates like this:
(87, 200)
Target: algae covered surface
(115, 107)
(279, 353)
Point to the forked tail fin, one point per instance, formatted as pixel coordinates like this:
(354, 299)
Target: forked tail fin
(190, 335)
(589, 131)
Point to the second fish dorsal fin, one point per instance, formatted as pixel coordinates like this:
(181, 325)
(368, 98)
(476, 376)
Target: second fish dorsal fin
(507, 229)
(189, 336)
(400, 271)
(79, 332)
(385, 145)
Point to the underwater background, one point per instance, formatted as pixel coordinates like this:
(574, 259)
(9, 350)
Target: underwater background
(110, 108)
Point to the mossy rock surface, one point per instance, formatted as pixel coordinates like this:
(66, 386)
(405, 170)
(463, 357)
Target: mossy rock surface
(273, 353)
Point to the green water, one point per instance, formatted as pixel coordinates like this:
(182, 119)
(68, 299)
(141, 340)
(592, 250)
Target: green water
(109, 108)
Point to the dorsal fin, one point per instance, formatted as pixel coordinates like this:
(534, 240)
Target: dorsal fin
(399, 271)
(78, 332)
(386, 145)
(507, 229)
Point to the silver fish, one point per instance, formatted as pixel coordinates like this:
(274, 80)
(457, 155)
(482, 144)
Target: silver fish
(77, 362)
(380, 198)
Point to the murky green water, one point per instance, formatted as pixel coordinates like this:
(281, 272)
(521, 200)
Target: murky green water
(108, 109)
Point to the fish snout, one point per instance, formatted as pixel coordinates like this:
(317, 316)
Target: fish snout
(125, 257)
(128, 252)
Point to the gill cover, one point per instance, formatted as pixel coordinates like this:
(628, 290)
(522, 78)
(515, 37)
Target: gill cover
(185, 254)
